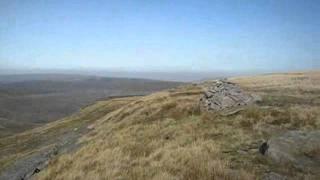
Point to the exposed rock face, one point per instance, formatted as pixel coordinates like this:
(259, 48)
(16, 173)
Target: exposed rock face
(274, 176)
(225, 96)
(300, 149)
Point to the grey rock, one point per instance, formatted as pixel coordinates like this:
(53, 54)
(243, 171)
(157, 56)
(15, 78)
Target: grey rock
(28, 166)
(301, 149)
(274, 176)
(263, 148)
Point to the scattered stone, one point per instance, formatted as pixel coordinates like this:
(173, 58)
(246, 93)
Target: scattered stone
(301, 149)
(225, 96)
(37, 170)
(91, 126)
(263, 148)
(243, 152)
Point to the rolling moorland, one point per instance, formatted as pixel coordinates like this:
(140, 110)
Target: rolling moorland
(31, 100)
(166, 135)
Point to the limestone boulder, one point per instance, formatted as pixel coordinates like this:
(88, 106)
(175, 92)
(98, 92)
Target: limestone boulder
(300, 149)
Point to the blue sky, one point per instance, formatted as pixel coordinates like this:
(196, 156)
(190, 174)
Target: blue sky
(166, 35)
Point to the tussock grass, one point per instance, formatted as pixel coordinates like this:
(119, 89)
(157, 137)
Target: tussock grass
(294, 117)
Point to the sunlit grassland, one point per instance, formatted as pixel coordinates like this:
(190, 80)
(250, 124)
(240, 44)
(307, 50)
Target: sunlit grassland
(165, 136)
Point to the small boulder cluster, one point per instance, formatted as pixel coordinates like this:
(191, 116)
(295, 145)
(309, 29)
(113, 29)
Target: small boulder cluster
(223, 95)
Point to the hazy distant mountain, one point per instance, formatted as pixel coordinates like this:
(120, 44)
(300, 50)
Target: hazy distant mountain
(182, 76)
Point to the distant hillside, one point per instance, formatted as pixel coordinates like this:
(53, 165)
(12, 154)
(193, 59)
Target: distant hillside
(27, 101)
(41, 77)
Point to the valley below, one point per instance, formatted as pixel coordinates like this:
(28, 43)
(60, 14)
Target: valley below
(31, 100)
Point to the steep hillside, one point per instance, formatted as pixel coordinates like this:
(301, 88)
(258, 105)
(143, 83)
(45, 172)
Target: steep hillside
(20, 154)
(165, 135)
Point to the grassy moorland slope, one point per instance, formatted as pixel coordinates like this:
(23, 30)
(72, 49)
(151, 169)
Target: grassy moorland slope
(165, 136)
(20, 153)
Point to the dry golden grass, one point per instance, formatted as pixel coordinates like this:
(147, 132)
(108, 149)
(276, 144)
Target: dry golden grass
(303, 81)
(156, 137)
(165, 136)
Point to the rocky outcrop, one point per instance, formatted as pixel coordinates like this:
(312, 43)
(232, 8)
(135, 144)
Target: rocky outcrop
(300, 149)
(225, 97)
(273, 176)
(27, 167)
